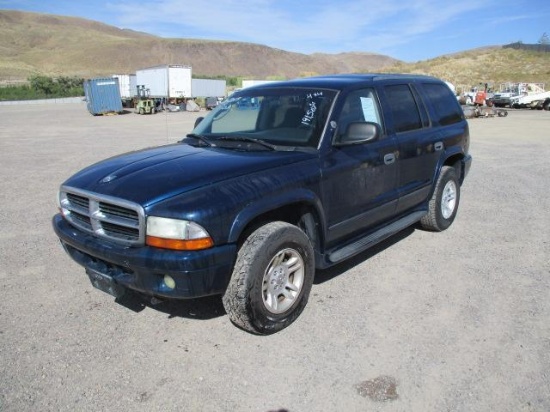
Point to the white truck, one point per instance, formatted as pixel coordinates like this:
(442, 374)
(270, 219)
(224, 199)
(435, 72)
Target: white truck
(518, 94)
(166, 81)
(538, 100)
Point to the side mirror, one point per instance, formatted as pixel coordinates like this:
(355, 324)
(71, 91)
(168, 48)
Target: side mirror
(197, 121)
(359, 132)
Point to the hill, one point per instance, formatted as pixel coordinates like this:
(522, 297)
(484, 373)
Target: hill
(494, 65)
(33, 43)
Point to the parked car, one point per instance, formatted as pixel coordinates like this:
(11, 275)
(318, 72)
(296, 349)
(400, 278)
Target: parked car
(277, 181)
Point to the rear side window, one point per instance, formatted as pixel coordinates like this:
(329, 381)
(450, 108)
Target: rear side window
(444, 103)
(406, 115)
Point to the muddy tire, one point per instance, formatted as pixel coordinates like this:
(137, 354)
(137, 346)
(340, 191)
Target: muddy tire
(444, 202)
(271, 280)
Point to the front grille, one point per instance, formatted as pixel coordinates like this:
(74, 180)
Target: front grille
(83, 220)
(117, 211)
(114, 219)
(78, 201)
(119, 231)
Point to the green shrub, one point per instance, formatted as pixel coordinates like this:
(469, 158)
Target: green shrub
(43, 87)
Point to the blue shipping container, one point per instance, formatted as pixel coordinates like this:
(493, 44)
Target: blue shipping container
(103, 96)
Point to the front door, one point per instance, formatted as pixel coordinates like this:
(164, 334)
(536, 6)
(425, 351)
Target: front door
(359, 180)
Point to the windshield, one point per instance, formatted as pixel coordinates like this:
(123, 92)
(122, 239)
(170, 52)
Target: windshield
(282, 117)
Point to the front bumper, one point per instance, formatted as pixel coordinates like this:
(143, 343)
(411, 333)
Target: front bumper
(196, 273)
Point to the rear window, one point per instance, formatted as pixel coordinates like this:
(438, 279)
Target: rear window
(444, 103)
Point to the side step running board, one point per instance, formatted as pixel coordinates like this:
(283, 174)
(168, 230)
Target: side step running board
(374, 238)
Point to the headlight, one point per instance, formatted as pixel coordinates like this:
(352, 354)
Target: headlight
(176, 234)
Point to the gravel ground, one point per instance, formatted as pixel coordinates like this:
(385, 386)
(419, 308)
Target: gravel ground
(455, 321)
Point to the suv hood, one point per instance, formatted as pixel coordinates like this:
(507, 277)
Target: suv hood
(151, 175)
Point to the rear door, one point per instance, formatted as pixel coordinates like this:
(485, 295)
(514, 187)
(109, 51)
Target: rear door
(419, 144)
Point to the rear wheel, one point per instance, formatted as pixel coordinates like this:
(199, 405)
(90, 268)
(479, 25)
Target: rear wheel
(271, 280)
(444, 202)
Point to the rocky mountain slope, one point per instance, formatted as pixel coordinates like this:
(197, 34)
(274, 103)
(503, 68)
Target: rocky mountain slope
(32, 43)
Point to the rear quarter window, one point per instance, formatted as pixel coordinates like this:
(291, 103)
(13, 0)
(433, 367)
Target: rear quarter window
(444, 103)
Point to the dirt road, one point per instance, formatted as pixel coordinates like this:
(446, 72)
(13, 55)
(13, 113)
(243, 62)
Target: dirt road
(456, 321)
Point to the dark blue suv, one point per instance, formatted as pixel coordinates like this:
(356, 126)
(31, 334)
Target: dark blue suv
(276, 181)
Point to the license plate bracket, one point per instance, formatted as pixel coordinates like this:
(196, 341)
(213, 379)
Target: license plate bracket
(105, 283)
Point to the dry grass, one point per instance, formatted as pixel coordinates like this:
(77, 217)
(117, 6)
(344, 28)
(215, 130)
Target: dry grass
(64, 46)
(493, 65)
(54, 45)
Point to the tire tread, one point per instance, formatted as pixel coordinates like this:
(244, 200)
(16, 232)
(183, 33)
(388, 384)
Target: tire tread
(431, 221)
(237, 297)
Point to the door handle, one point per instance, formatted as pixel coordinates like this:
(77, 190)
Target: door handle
(389, 158)
(438, 146)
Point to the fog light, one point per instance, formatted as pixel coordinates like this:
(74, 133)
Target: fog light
(169, 282)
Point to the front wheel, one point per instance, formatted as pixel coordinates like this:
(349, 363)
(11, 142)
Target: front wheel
(444, 202)
(271, 280)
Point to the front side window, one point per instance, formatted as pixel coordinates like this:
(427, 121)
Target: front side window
(359, 106)
(406, 116)
(292, 117)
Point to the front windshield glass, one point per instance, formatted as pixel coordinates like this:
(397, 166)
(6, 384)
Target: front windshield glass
(282, 117)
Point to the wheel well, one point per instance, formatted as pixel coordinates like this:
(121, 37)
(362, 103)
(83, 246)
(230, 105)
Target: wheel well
(455, 161)
(302, 215)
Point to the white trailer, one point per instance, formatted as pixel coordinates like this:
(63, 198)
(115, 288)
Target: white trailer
(251, 83)
(127, 84)
(208, 88)
(167, 81)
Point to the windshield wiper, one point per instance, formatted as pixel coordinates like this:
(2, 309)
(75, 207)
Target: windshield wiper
(247, 140)
(202, 140)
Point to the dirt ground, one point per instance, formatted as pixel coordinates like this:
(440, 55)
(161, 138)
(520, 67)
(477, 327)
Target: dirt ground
(455, 321)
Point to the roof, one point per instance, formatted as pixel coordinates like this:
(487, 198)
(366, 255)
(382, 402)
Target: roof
(341, 81)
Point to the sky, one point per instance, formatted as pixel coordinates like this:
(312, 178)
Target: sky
(410, 30)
